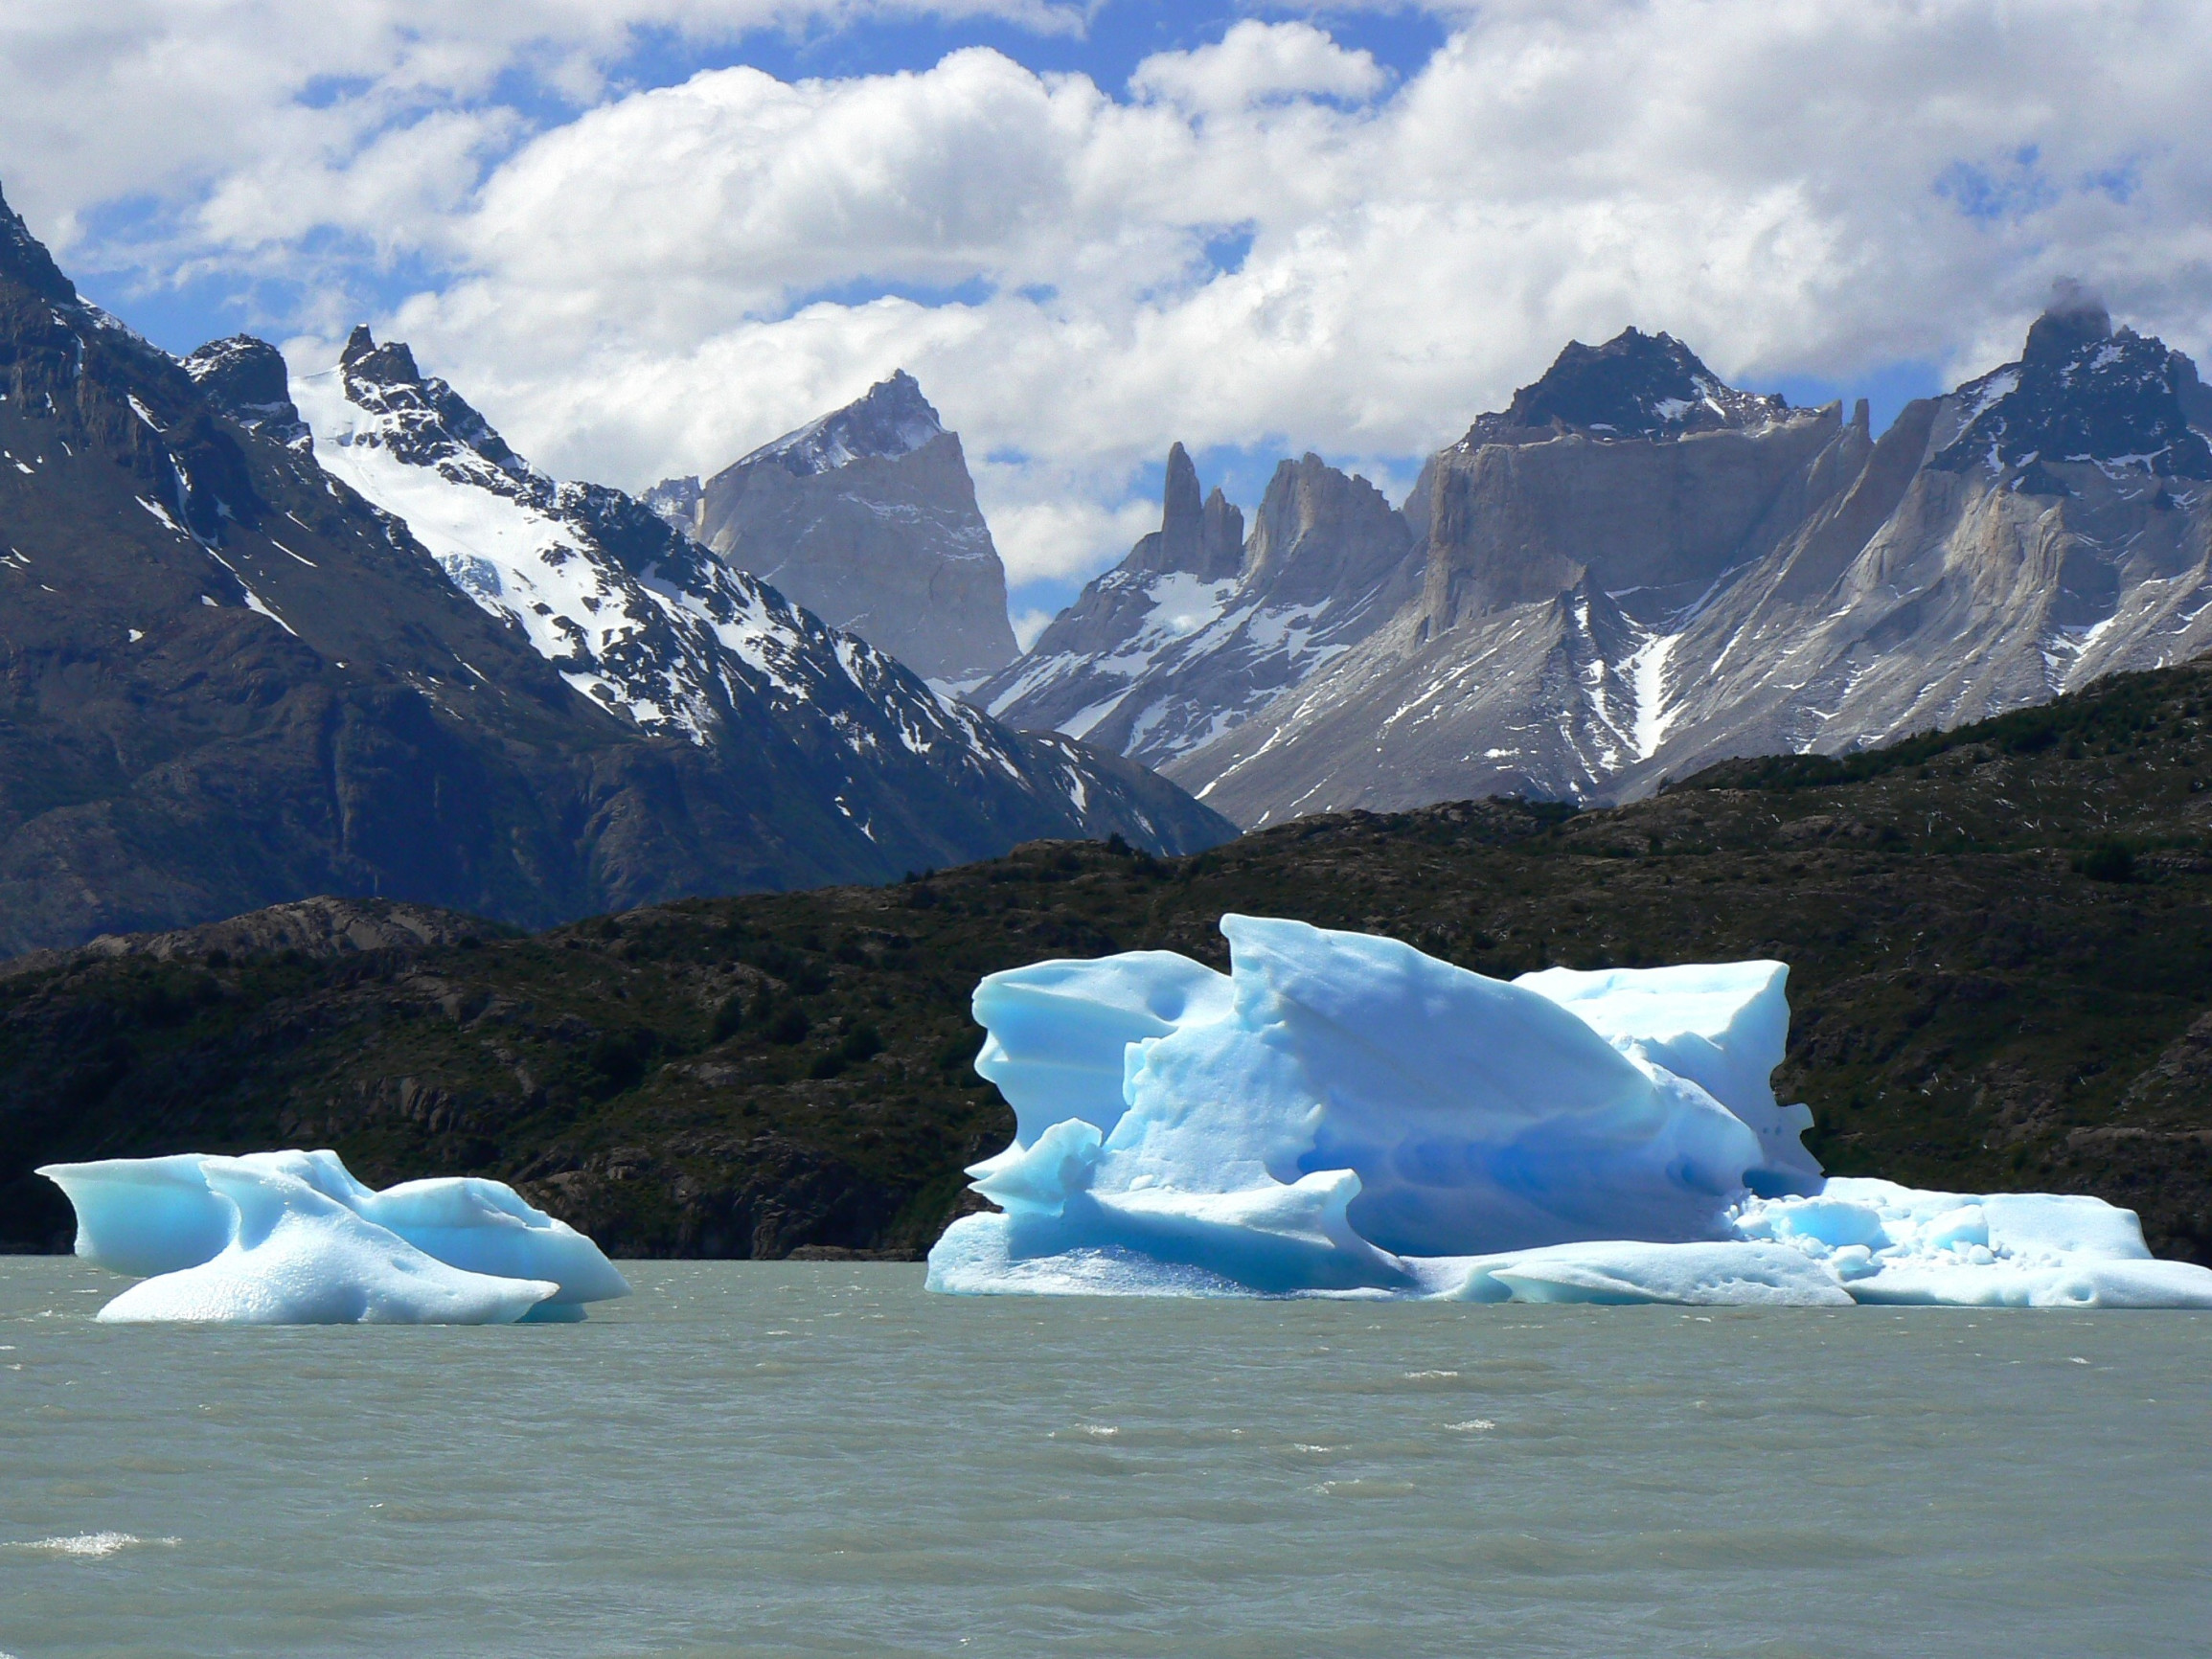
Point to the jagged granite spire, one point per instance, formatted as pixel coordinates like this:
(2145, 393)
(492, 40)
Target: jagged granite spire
(891, 420)
(1202, 538)
(427, 422)
(2075, 317)
(24, 257)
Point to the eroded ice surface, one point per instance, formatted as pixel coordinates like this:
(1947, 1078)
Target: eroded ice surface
(1341, 1114)
(294, 1239)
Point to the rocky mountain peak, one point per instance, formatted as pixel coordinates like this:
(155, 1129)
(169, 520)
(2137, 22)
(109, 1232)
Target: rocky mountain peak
(676, 501)
(1636, 385)
(2074, 318)
(24, 257)
(424, 421)
(891, 420)
(1204, 537)
(867, 517)
(246, 379)
(1321, 534)
(2083, 394)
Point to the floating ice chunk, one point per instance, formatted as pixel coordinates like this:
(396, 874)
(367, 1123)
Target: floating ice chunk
(160, 1216)
(296, 1257)
(1898, 1244)
(1334, 1103)
(1343, 1115)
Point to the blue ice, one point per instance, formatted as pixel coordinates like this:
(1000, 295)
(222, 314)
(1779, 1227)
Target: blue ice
(1341, 1114)
(292, 1239)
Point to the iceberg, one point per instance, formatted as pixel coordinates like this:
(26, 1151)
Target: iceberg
(291, 1237)
(1341, 1114)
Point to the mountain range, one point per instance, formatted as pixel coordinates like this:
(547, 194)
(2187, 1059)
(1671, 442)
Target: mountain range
(250, 655)
(1635, 570)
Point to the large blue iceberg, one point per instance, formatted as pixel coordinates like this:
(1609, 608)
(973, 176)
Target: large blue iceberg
(1341, 1114)
(294, 1239)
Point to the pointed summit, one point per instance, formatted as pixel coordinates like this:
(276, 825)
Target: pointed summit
(890, 419)
(421, 420)
(24, 257)
(246, 379)
(2076, 317)
(868, 517)
(1203, 538)
(2082, 393)
(1636, 385)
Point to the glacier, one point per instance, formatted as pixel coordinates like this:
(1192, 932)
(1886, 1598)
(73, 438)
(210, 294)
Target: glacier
(1343, 1115)
(291, 1237)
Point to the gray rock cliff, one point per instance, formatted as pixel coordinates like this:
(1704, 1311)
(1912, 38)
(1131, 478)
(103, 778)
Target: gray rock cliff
(867, 517)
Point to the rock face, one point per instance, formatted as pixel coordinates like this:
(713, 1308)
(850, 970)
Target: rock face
(229, 679)
(247, 378)
(1199, 627)
(868, 518)
(1634, 571)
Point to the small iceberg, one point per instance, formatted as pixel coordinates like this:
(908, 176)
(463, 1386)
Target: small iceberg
(294, 1239)
(1341, 1114)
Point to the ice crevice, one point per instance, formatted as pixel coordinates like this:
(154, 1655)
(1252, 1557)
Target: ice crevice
(1341, 1114)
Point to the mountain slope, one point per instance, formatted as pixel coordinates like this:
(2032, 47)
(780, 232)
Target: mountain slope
(2001, 950)
(1198, 628)
(1624, 486)
(228, 680)
(868, 518)
(644, 622)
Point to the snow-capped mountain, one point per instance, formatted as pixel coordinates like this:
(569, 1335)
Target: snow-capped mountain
(1635, 570)
(867, 517)
(234, 679)
(660, 632)
(1198, 628)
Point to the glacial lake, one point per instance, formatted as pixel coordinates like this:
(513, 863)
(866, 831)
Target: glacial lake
(819, 1459)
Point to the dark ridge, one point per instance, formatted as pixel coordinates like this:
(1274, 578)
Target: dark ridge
(2084, 393)
(24, 257)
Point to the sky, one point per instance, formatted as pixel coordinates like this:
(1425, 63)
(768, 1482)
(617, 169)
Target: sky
(646, 236)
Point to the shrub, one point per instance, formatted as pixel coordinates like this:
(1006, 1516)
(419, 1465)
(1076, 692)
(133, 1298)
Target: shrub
(2108, 861)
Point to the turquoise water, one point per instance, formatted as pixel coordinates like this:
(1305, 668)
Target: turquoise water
(816, 1459)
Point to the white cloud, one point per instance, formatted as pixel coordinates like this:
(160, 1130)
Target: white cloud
(1255, 63)
(1264, 240)
(1028, 624)
(1050, 530)
(153, 97)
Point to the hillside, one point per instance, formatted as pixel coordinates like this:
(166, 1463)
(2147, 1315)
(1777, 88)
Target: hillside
(2000, 939)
